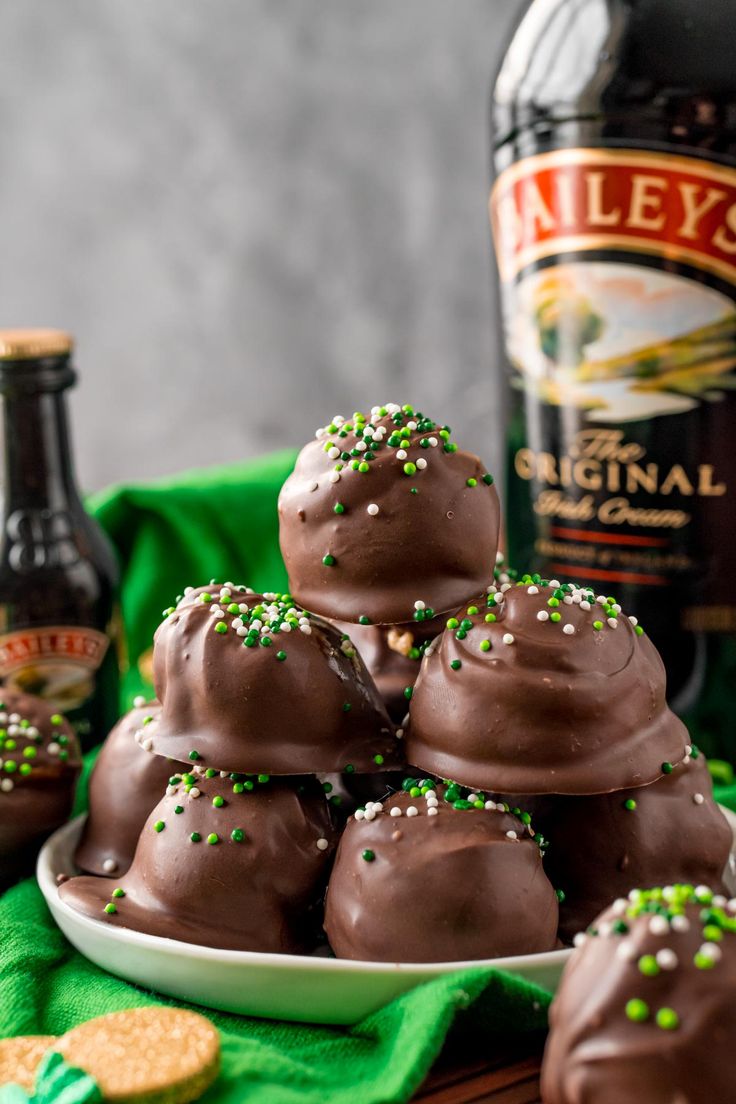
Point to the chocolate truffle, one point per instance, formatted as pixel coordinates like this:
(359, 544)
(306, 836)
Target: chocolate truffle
(251, 683)
(600, 847)
(645, 1011)
(393, 654)
(126, 783)
(384, 516)
(40, 762)
(233, 862)
(542, 688)
(420, 878)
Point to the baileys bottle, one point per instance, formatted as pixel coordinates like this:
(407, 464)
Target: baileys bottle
(614, 221)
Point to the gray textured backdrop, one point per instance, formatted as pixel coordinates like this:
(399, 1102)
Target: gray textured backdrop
(253, 213)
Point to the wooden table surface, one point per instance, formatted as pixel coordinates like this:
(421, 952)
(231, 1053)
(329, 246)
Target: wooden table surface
(510, 1076)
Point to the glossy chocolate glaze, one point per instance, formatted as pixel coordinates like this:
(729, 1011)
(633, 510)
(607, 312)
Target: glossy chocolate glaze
(438, 887)
(261, 892)
(680, 968)
(126, 783)
(40, 762)
(264, 699)
(363, 544)
(601, 847)
(522, 705)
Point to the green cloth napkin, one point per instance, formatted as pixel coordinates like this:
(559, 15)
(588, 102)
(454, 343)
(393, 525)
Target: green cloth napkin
(169, 534)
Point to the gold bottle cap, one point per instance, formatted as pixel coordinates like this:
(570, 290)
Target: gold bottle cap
(32, 344)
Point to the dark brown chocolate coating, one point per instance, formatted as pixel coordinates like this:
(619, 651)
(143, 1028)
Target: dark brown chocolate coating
(437, 545)
(126, 783)
(601, 847)
(444, 887)
(303, 704)
(259, 893)
(597, 1054)
(392, 654)
(543, 710)
(40, 762)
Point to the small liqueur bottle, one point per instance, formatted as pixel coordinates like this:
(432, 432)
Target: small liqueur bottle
(58, 573)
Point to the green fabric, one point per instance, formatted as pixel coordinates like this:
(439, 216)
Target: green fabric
(56, 1083)
(176, 532)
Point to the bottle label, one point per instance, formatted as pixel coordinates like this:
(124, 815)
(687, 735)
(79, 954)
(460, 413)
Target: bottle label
(56, 663)
(618, 271)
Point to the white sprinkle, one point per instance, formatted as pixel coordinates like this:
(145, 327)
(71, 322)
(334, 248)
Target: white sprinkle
(579, 939)
(359, 814)
(568, 629)
(626, 951)
(617, 607)
(421, 463)
(412, 811)
(373, 509)
(334, 477)
(399, 734)
(322, 844)
(6, 785)
(312, 487)
(369, 814)
(139, 701)
(659, 925)
(194, 792)
(568, 600)
(702, 894)
(619, 906)
(554, 584)
(395, 811)
(490, 805)
(543, 615)
(306, 629)
(634, 620)
(584, 605)
(360, 446)
(188, 590)
(533, 590)
(433, 442)
(511, 834)
(14, 718)
(667, 959)
(508, 638)
(237, 622)
(680, 923)
(719, 901)
(731, 906)
(401, 454)
(411, 425)
(612, 622)
(53, 748)
(243, 607)
(13, 729)
(472, 797)
(432, 803)
(333, 453)
(712, 951)
(109, 866)
(698, 798)
(170, 790)
(224, 774)
(432, 810)
(419, 604)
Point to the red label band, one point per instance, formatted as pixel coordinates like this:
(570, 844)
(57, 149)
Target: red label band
(81, 646)
(570, 201)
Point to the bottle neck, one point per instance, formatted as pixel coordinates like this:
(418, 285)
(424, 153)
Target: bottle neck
(38, 469)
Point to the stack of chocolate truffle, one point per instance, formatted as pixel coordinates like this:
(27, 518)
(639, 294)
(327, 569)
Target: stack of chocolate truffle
(548, 694)
(256, 696)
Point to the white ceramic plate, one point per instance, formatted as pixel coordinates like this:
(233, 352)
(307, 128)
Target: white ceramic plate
(284, 987)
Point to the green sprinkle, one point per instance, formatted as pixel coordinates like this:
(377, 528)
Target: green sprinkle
(488, 479)
(213, 838)
(349, 768)
(328, 560)
(485, 645)
(667, 768)
(453, 623)
(25, 769)
(159, 826)
(667, 1019)
(363, 467)
(378, 760)
(363, 620)
(409, 468)
(218, 801)
(597, 625)
(194, 755)
(638, 630)
(237, 835)
(490, 618)
(560, 895)
(263, 778)
(346, 707)
(118, 893)
(210, 773)
(648, 966)
(338, 508)
(195, 837)
(281, 656)
(238, 788)
(30, 752)
(456, 664)
(471, 482)
(369, 856)
(178, 809)
(704, 962)
(221, 627)
(408, 691)
(555, 617)
(630, 804)
(637, 1010)
(111, 908)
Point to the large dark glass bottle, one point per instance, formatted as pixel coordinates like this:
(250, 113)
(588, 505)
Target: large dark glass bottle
(58, 574)
(614, 216)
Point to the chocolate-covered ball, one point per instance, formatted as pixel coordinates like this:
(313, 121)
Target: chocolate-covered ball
(421, 879)
(237, 863)
(126, 783)
(537, 688)
(645, 1011)
(40, 761)
(383, 511)
(393, 654)
(600, 847)
(251, 683)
